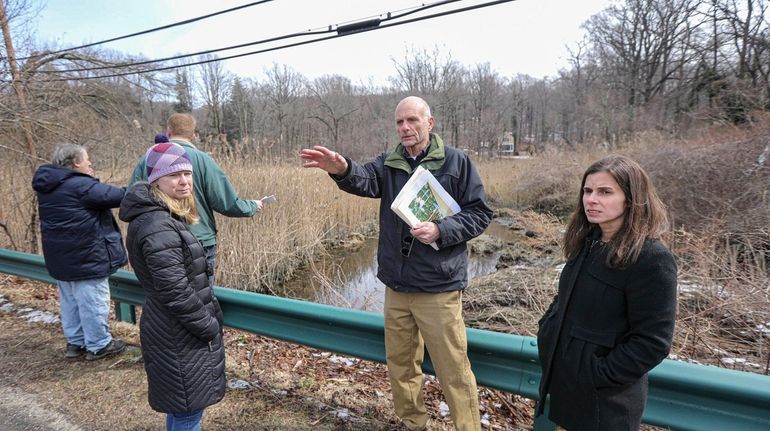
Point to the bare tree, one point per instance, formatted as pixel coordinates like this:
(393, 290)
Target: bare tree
(641, 45)
(486, 118)
(745, 50)
(334, 99)
(213, 87)
(183, 90)
(421, 71)
(239, 113)
(283, 89)
(18, 84)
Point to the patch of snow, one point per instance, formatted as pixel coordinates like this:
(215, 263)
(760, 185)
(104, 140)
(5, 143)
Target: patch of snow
(677, 358)
(764, 328)
(504, 221)
(692, 287)
(485, 420)
(688, 287)
(343, 414)
(39, 316)
(738, 361)
(443, 409)
(348, 362)
(238, 384)
(28, 313)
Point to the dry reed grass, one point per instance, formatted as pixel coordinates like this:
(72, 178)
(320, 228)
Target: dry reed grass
(310, 214)
(724, 301)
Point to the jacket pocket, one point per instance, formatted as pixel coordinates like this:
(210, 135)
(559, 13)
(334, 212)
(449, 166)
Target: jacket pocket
(583, 345)
(600, 338)
(115, 252)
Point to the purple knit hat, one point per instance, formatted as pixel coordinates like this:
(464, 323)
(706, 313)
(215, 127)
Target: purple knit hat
(166, 158)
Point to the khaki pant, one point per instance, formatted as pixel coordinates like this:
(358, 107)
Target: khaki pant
(433, 320)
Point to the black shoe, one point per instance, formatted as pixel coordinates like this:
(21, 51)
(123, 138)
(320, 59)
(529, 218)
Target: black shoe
(74, 351)
(115, 346)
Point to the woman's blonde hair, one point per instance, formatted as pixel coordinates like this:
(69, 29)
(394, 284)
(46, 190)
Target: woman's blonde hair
(185, 208)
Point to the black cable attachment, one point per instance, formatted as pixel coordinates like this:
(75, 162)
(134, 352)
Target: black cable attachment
(359, 26)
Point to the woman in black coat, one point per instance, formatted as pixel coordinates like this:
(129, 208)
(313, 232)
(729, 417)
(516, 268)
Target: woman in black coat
(612, 320)
(181, 323)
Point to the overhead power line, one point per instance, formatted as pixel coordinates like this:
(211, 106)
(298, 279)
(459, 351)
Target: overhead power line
(351, 27)
(152, 30)
(342, 31)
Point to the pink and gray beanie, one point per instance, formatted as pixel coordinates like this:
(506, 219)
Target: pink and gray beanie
(166, 158)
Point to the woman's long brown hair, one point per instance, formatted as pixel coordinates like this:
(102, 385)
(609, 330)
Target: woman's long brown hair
(645, 216)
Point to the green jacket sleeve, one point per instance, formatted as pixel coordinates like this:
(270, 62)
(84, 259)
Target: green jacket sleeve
(139, 174)
(220, 193)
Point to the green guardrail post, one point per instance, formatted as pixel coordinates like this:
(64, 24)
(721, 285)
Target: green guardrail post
(542, 423)
(125, 312)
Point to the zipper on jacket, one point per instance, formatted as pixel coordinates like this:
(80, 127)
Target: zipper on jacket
(211, 349)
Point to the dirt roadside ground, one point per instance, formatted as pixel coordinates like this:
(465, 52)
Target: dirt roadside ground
(110, 394)
(289, 387)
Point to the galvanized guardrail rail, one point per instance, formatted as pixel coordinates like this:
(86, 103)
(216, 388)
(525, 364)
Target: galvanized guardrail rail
(682, 396)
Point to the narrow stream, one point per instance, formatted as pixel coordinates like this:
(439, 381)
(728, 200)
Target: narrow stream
(349, 279)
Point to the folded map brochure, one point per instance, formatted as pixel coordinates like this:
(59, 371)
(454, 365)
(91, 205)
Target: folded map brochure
(423, 199)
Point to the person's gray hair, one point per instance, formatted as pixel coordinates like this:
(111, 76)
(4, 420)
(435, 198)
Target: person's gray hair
(420, 102)
(67, 155)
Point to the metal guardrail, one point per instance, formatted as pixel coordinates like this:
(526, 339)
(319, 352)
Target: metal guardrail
(682, 396)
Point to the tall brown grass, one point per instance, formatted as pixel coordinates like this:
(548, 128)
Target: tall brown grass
(311, 214)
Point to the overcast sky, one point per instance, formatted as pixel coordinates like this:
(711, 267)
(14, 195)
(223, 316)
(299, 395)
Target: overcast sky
(523, 36)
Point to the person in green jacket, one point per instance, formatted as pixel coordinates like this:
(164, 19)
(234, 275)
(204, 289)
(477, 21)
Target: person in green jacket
(213, 190)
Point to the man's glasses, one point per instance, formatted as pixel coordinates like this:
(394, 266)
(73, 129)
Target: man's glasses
(406, 246)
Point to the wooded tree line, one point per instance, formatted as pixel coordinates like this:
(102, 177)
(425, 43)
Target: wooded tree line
(644, 64)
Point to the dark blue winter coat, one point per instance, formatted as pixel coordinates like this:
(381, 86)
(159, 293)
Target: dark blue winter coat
(425, 269)
(81, 239)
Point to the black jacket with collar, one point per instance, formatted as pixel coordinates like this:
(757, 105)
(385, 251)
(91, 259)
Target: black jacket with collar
(181, 324)
(606, 329)
(425, 269)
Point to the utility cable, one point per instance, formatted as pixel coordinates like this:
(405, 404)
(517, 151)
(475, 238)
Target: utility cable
(372, 27)
(152, 30)
(341, 28)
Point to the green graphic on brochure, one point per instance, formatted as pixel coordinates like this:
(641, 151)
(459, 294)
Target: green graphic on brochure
(423, 199)
(424, 205)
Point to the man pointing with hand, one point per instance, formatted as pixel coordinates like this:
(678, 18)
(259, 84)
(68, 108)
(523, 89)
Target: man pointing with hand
(423, 299)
